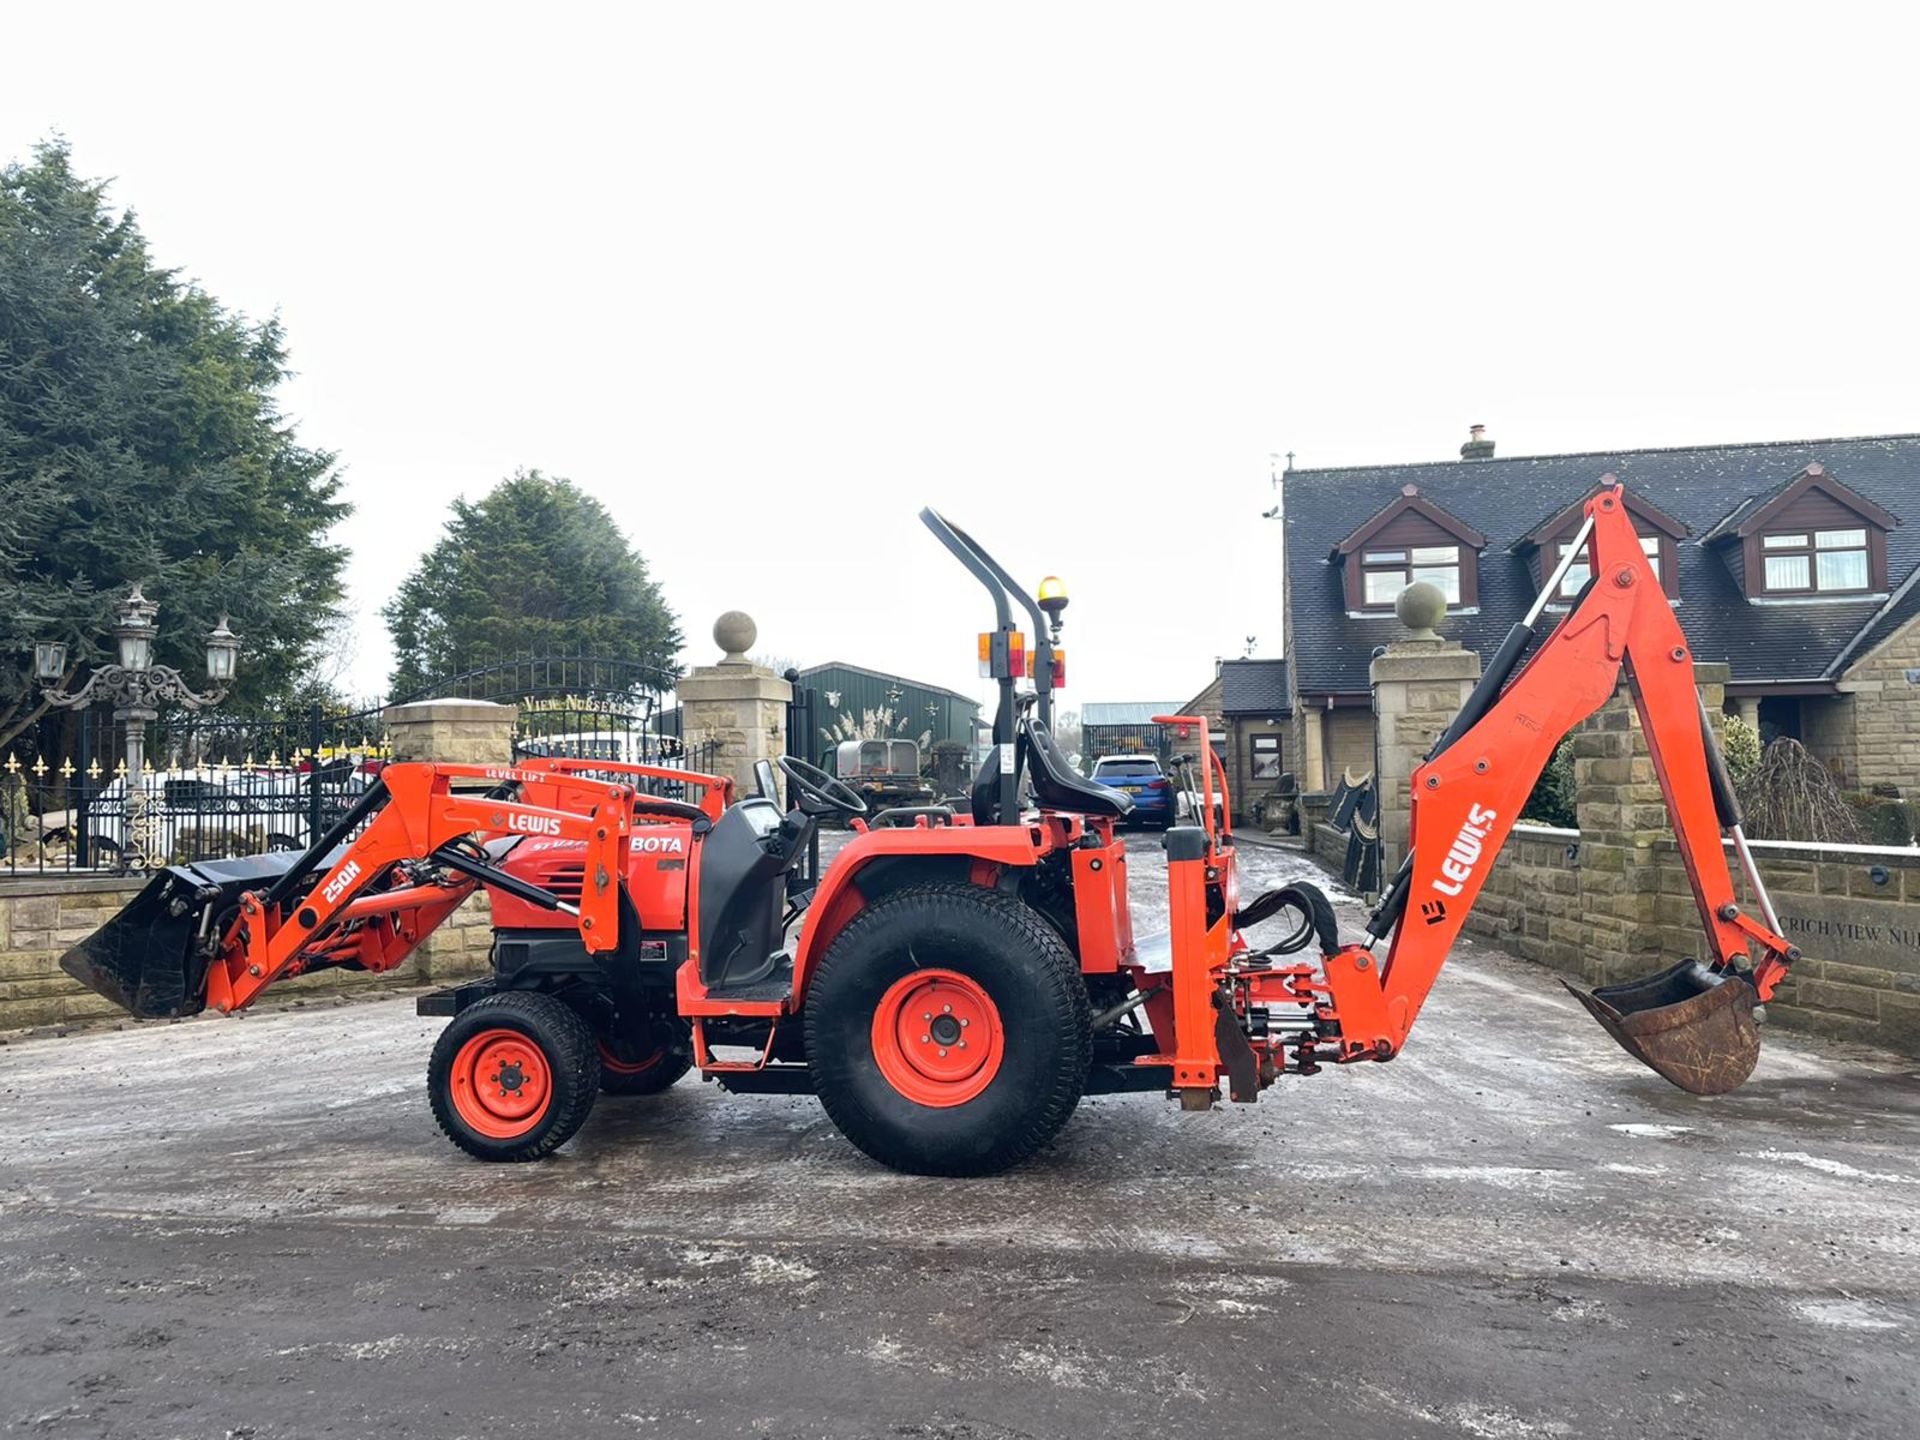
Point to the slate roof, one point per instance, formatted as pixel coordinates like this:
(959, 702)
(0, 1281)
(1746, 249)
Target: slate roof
(1699, 485)
(1255, 687)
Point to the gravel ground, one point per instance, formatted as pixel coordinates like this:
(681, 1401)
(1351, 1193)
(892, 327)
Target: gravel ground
(250, 1228)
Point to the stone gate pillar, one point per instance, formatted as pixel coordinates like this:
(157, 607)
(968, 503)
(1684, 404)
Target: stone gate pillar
(1419, 685)
(460, 732)
(740, 706)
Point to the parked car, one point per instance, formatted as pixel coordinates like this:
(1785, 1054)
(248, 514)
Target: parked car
(209, 814)
(1141, 778)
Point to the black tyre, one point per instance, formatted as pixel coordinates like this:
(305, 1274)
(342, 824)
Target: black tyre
(947, 1031)
(513, 1076)
(645, 1063)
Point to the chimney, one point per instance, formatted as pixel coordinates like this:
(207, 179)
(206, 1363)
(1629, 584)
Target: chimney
(1478, 447)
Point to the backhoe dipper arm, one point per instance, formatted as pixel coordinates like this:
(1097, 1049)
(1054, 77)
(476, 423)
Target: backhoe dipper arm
(1467, 797)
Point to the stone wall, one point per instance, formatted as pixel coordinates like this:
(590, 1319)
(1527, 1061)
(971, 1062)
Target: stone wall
(40, 920)
(1826, 729)
(1611, 901)
(1854, 911)
(1884, 691)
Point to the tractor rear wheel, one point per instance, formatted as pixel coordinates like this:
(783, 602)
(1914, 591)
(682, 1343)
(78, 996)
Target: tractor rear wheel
(513, 1076)
(947, 1031)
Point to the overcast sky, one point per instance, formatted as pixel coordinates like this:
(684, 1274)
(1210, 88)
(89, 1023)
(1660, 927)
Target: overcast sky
(767, 279)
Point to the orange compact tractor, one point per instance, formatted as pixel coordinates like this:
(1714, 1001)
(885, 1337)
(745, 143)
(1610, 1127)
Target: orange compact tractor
(963, 974)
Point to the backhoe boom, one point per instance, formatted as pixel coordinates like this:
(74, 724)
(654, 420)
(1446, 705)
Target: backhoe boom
(1466, 797)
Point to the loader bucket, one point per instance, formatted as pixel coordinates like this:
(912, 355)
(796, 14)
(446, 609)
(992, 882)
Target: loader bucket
(151, 958)
(1687, 1024)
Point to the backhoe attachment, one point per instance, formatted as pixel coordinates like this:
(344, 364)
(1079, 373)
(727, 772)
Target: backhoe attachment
(1694, 1023)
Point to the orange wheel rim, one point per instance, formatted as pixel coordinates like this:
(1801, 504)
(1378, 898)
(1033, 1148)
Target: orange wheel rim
(626, 1067)
(501, 1084)
(937, 1038)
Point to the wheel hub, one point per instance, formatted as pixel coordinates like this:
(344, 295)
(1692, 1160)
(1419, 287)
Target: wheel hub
(937, 1037)
(500, 1084)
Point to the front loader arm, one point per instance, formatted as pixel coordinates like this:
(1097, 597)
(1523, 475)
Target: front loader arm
(1467, 797)
(394, 884)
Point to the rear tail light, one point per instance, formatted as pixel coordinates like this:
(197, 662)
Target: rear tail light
(1059, 668)
(1159, 784)
(1003, 655)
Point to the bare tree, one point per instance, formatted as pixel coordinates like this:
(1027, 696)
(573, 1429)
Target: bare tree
(1792, 796)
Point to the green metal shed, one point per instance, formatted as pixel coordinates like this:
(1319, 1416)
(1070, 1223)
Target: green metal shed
(858, 703)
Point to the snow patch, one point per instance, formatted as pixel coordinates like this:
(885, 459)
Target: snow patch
(1828, 1167)
(1846, 1314)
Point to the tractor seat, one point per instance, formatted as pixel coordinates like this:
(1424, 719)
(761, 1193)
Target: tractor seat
(1058, 786)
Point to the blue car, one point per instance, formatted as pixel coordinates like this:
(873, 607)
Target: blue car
(1141, 778)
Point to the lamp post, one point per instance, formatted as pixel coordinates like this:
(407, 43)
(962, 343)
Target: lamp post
(136, 688)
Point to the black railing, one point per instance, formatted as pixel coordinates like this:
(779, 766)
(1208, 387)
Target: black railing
(217, 784)
(211, 786)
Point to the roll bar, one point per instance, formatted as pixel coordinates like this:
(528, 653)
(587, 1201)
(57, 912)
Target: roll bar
(1002, 587)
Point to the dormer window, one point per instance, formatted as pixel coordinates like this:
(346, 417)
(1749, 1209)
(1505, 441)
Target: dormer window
(1810, 539)
(1824, 561)
(1388, 572)
(1581, 570)
(1412, 539)
(1547, 544)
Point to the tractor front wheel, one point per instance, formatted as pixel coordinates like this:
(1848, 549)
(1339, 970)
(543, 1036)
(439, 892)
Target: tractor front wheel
(513, 1076)
(947, 1031)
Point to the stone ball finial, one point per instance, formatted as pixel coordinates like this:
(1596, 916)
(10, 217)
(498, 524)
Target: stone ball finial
(735, 632)
(1420, 607)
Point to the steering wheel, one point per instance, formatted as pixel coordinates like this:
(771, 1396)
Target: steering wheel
(816, 785)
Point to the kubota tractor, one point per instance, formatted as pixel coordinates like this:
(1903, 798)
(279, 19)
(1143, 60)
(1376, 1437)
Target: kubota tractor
(963, 974)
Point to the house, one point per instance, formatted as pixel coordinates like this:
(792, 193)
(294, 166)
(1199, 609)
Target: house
(1248, 707)
(1794, 562)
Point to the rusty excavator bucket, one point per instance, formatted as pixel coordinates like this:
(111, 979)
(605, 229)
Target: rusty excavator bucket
(151, 959)
(1690, 1025)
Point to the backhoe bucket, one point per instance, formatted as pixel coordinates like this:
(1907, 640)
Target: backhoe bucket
(1688, 1025)
(151, 958)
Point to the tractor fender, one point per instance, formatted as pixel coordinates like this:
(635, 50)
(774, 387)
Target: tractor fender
(882, 861)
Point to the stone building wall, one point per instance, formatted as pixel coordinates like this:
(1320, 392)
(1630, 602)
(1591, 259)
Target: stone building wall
(1883, 689)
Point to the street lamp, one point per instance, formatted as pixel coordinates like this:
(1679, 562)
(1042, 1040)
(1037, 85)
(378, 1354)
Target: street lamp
(49, 660)
(136, 688)
(223, 653)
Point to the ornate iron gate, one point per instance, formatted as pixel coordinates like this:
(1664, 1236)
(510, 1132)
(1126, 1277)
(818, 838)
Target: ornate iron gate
(213, 784)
